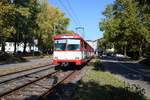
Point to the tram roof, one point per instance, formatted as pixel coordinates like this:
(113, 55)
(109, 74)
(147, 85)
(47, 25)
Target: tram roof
(69, 36)
(66, 36)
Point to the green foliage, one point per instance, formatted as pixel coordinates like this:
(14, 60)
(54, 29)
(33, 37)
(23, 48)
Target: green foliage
(125, 25)
(51, 21)
(6, 28)
(145, 14)
(98, 65)
(21, 21)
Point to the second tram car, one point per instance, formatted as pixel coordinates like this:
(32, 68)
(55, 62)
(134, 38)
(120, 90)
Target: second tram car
(71, 49)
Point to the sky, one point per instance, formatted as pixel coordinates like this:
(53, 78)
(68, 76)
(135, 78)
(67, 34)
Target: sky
(83, 13)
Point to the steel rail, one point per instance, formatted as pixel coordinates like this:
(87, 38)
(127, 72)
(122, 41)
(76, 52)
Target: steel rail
(54, 86)
(17, 77)
(22, 86)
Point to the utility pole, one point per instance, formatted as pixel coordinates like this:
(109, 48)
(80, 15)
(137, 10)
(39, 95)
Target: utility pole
(78, 31)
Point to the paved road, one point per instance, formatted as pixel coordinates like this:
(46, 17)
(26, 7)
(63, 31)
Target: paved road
(129, 71)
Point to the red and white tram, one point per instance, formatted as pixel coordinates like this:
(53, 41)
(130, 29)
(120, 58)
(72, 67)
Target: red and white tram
(71, 48)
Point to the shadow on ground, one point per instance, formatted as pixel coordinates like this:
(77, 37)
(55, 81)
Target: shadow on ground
(129, 70)
(6, 58)
(94, 91)
(62, 92)
(90, 91)
(68, 68)
(145, 62)
(13, 60)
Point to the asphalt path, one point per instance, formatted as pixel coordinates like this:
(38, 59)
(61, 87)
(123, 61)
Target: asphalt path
(128, 71)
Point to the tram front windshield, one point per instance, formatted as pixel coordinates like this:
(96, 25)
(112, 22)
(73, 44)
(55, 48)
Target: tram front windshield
(67, 44)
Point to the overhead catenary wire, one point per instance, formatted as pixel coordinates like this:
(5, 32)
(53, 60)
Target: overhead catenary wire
(73, 11)
(67, 10)
(77, 18)
(73, 15)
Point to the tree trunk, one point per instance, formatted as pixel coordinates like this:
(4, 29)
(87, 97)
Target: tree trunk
(40, 43)
(141, 50)
(125, 50)
(30, 47)
(15, 46)
(3, 46)
(122, 49)
(24, 48)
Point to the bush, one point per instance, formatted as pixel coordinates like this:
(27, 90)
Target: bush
(98, 65)
(4, 56)
(130, 91)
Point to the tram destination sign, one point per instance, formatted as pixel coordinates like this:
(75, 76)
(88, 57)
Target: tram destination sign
(67, 36)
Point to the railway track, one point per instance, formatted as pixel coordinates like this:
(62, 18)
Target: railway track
(12, 81)
(19, 74)
(36, 88)
(32, 84)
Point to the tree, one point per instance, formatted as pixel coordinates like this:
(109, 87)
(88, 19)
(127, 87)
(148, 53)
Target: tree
(9, 20)
(50, 22)
(26, 26)
(23, 20)
(122, 26)
(6, 21)
(144, 9)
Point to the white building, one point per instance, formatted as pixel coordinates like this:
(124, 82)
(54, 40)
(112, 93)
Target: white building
(9, 47)
(93, 44)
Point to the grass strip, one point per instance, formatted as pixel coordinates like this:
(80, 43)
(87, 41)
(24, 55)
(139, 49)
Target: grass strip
(97, 84)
